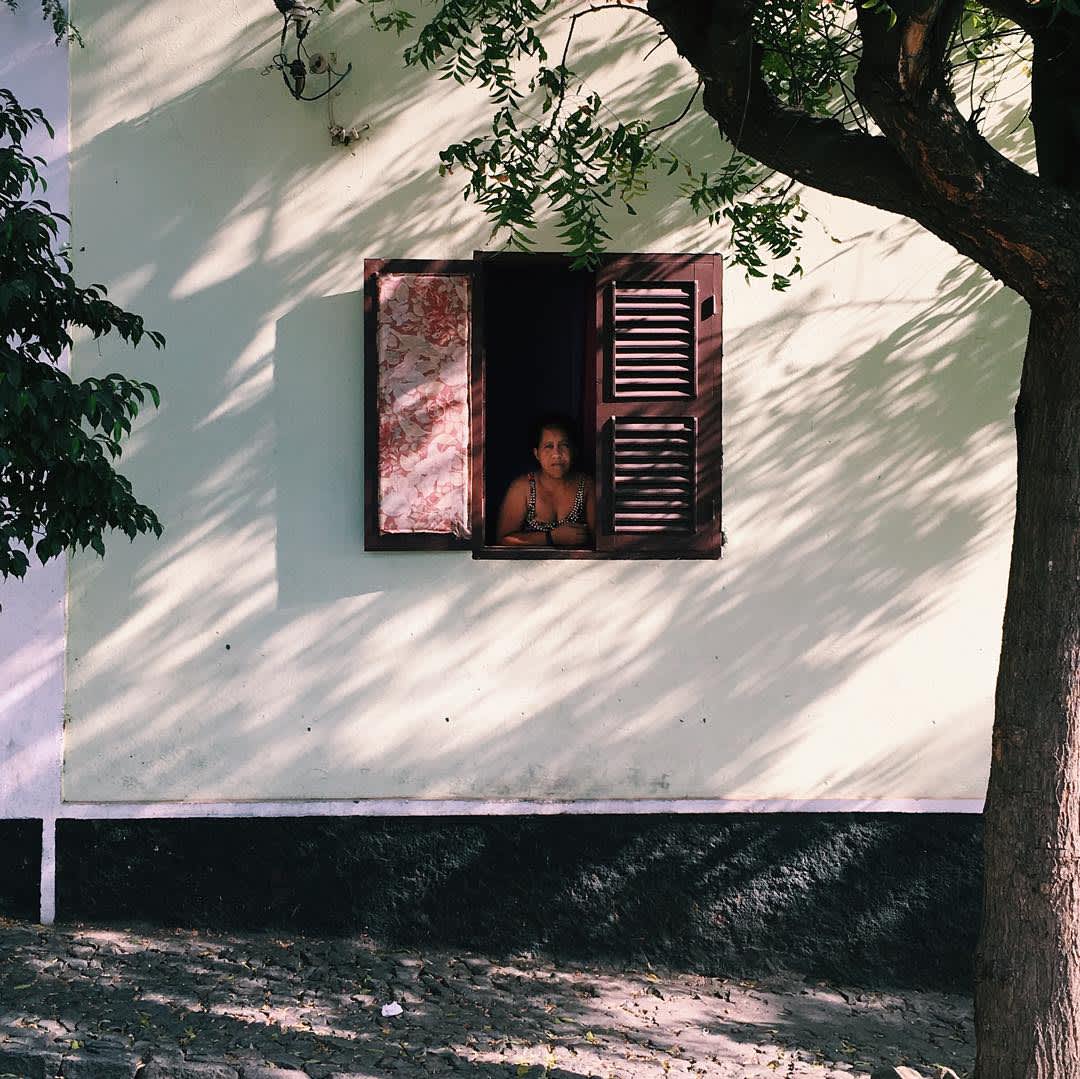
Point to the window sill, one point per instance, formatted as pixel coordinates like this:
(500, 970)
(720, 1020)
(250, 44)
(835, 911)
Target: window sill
(548, 554)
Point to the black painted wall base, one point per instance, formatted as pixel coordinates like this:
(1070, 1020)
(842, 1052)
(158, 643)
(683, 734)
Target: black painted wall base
(20, 868)
(864, 899)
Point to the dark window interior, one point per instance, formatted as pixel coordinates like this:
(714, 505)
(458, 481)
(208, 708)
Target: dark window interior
(534, 334)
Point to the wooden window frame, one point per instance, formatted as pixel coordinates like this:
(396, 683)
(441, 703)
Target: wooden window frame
(599, 406)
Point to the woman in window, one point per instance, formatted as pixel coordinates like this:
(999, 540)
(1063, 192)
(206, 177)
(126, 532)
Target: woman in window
(553, 506)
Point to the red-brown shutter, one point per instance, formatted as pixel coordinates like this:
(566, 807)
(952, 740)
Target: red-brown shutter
(417, 316)
(658, 414)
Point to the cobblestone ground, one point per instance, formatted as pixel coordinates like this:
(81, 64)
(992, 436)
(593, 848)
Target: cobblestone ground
(91, 1003)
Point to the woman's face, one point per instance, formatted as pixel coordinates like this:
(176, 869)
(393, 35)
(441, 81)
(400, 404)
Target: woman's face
(555, 452)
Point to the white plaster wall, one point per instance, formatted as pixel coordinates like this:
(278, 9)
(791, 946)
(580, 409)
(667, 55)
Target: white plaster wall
(844, 648)
(32, 610)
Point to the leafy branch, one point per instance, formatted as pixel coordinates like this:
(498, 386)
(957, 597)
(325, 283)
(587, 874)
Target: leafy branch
(58, 438)
(554, 144)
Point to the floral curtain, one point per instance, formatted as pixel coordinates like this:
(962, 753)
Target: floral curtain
(423, 344)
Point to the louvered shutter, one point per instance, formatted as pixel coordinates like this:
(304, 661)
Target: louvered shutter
(417, 363)
(658, 416)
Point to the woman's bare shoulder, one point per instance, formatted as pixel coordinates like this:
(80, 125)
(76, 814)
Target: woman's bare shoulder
(517, 492)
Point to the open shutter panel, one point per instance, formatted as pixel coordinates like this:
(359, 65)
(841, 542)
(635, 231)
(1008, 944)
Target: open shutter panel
(417, 345)
(658, 418)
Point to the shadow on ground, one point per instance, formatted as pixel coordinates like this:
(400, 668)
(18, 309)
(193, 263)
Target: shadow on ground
(313, 1006)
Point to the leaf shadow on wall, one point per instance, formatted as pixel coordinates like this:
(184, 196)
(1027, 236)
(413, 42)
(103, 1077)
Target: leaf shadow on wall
(257, 652)
(862, 463)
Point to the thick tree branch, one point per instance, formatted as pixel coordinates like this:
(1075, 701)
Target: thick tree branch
(1055, 101)
(1024, 231)
(928, 163)
(716, 39)
(923, 41)
(1025, 15)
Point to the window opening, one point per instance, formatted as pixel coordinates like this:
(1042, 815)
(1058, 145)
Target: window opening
(533, 326)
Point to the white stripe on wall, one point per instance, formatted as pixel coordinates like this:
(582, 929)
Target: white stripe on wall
(407, 807)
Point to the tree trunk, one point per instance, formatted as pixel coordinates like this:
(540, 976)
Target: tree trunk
(1027, 996)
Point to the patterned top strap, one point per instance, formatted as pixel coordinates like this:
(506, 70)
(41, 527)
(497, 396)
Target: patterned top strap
(576, 516)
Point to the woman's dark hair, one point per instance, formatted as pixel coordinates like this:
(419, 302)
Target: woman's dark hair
(552, 421)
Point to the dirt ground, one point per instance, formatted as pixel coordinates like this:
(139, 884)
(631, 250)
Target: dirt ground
(94, 1003)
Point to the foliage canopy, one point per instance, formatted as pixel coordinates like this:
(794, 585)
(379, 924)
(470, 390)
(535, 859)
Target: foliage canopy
(555, 144)
(59, 438)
